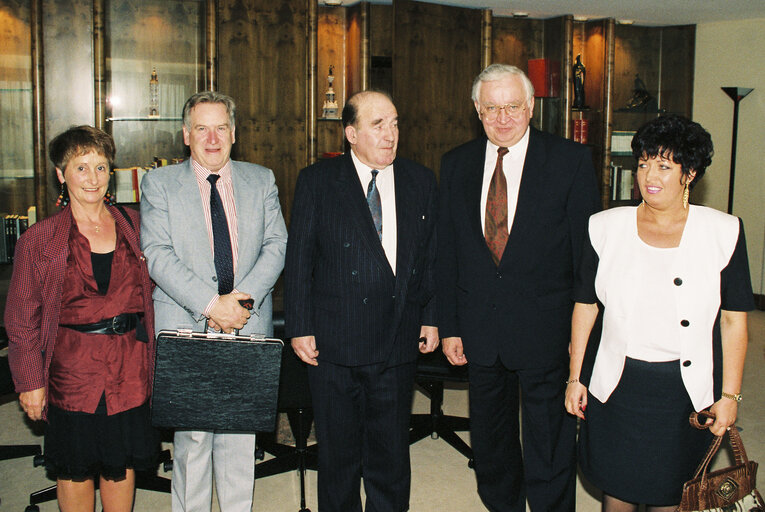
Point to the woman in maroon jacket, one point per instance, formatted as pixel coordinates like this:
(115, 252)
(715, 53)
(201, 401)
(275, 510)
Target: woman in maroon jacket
(80, 325)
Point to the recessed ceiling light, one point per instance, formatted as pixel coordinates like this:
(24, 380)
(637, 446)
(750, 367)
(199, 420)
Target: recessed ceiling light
(333, 2)
(625, 22)
(579, 17)
(520, 15)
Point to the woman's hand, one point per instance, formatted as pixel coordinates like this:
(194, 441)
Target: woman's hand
(33, 403)
(725, 411)
(576, 399)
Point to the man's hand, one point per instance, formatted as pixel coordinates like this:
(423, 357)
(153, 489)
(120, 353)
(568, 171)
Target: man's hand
(305, 349)
(33, 403)
(430, 336)
(453, 351)
(227, 314)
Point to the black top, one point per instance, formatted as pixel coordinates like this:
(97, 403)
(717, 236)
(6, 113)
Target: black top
(102, 269)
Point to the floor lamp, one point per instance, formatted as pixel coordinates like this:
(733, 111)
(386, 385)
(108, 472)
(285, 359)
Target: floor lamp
(736, 94)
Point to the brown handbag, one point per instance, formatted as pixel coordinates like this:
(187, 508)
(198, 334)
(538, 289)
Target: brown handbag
(727, 489)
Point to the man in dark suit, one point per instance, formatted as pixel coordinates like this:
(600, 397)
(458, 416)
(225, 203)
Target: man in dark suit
(359, 300)
(513, 210)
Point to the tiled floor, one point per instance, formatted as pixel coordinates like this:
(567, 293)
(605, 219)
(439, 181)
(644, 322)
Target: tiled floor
(441, 480)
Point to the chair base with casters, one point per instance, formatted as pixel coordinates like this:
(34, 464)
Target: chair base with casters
(432, 371)
(143, 480)
(300, 457)
(8, 452)
(295, 400)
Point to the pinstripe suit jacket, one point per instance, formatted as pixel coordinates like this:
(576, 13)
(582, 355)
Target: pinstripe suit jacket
(177, 246)
(339, 286)
(34, 295)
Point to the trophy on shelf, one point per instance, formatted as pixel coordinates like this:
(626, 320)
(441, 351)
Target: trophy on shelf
(154, 94)
(330, 104)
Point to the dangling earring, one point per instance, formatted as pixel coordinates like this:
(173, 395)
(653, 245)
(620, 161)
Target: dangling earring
(63, 197)
(110, 199)
(686, 193)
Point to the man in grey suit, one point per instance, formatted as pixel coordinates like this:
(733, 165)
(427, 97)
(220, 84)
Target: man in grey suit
(213, 234)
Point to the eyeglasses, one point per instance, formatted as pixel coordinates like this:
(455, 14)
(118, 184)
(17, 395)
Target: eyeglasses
(491, 112)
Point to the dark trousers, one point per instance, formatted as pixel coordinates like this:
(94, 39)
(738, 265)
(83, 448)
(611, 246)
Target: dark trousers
(362, 429)
(546, 469)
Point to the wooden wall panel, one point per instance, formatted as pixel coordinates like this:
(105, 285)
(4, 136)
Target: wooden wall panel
(356, 49)
(263, 65)
(436, 56)
(516, 40)
(678, 51)
(638, 50)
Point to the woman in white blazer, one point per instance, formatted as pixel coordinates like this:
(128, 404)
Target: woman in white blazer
(672, 283)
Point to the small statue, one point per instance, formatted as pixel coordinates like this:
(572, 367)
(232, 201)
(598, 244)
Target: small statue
(579, 75)
(330, 108)
(641, 98)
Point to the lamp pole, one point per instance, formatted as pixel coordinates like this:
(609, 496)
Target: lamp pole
(736, 94)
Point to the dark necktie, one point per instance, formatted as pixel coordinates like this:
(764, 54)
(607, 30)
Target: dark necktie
(375, 205)
(224, 259)
(496, 230)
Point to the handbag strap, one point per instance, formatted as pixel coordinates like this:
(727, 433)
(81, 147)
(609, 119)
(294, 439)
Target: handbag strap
(733, 436)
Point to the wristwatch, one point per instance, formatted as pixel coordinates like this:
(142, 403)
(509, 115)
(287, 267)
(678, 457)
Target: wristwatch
(735, 396)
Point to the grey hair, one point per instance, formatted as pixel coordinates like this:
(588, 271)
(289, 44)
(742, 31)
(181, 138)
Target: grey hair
(498, 72)
(209, 97)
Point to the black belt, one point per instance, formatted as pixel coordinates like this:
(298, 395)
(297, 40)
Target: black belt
(120, 324)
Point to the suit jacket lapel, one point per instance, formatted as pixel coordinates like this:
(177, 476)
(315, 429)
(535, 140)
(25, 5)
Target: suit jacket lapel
(353, 198)
(405, 201)
(191, 205)
(532, 186)
(244, 213)
(472, 185)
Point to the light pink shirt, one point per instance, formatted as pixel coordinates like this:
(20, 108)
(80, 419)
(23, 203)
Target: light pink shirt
(225, 188)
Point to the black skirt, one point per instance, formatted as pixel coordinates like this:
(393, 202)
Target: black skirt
(638, 446)
(80, 445)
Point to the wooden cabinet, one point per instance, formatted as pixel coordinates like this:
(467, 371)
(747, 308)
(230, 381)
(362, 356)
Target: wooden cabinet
(634, 74)
(165, 37)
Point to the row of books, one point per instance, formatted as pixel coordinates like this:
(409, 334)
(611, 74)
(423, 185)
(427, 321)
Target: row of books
(623, 184)
(13, 227)
(127, 180)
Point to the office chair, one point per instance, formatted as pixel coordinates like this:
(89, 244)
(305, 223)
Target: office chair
(295, 400)
(433, 370)
(8, 452)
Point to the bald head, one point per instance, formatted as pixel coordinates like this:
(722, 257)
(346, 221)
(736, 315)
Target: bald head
(371, 126)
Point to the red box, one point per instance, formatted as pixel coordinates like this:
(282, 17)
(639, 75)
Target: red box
(545, 77)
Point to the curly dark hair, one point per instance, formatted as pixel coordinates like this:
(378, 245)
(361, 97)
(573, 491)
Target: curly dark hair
(675, 138)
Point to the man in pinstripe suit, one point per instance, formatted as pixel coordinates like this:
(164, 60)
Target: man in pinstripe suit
(358, 300)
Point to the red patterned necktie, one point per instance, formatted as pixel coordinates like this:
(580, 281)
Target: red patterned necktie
(496, 232)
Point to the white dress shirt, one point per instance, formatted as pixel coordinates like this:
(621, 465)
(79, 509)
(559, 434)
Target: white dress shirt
(387, 188)
(512, 166)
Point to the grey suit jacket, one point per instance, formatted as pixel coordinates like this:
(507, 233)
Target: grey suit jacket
(175, 242)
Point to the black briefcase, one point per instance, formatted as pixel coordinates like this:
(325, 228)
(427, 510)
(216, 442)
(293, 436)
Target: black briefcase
(213, 381)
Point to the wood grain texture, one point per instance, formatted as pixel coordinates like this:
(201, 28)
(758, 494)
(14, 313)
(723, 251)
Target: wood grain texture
(263, 67)
(437, 54)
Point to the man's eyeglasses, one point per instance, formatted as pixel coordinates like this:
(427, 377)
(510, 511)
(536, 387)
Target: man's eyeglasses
(491, 112)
